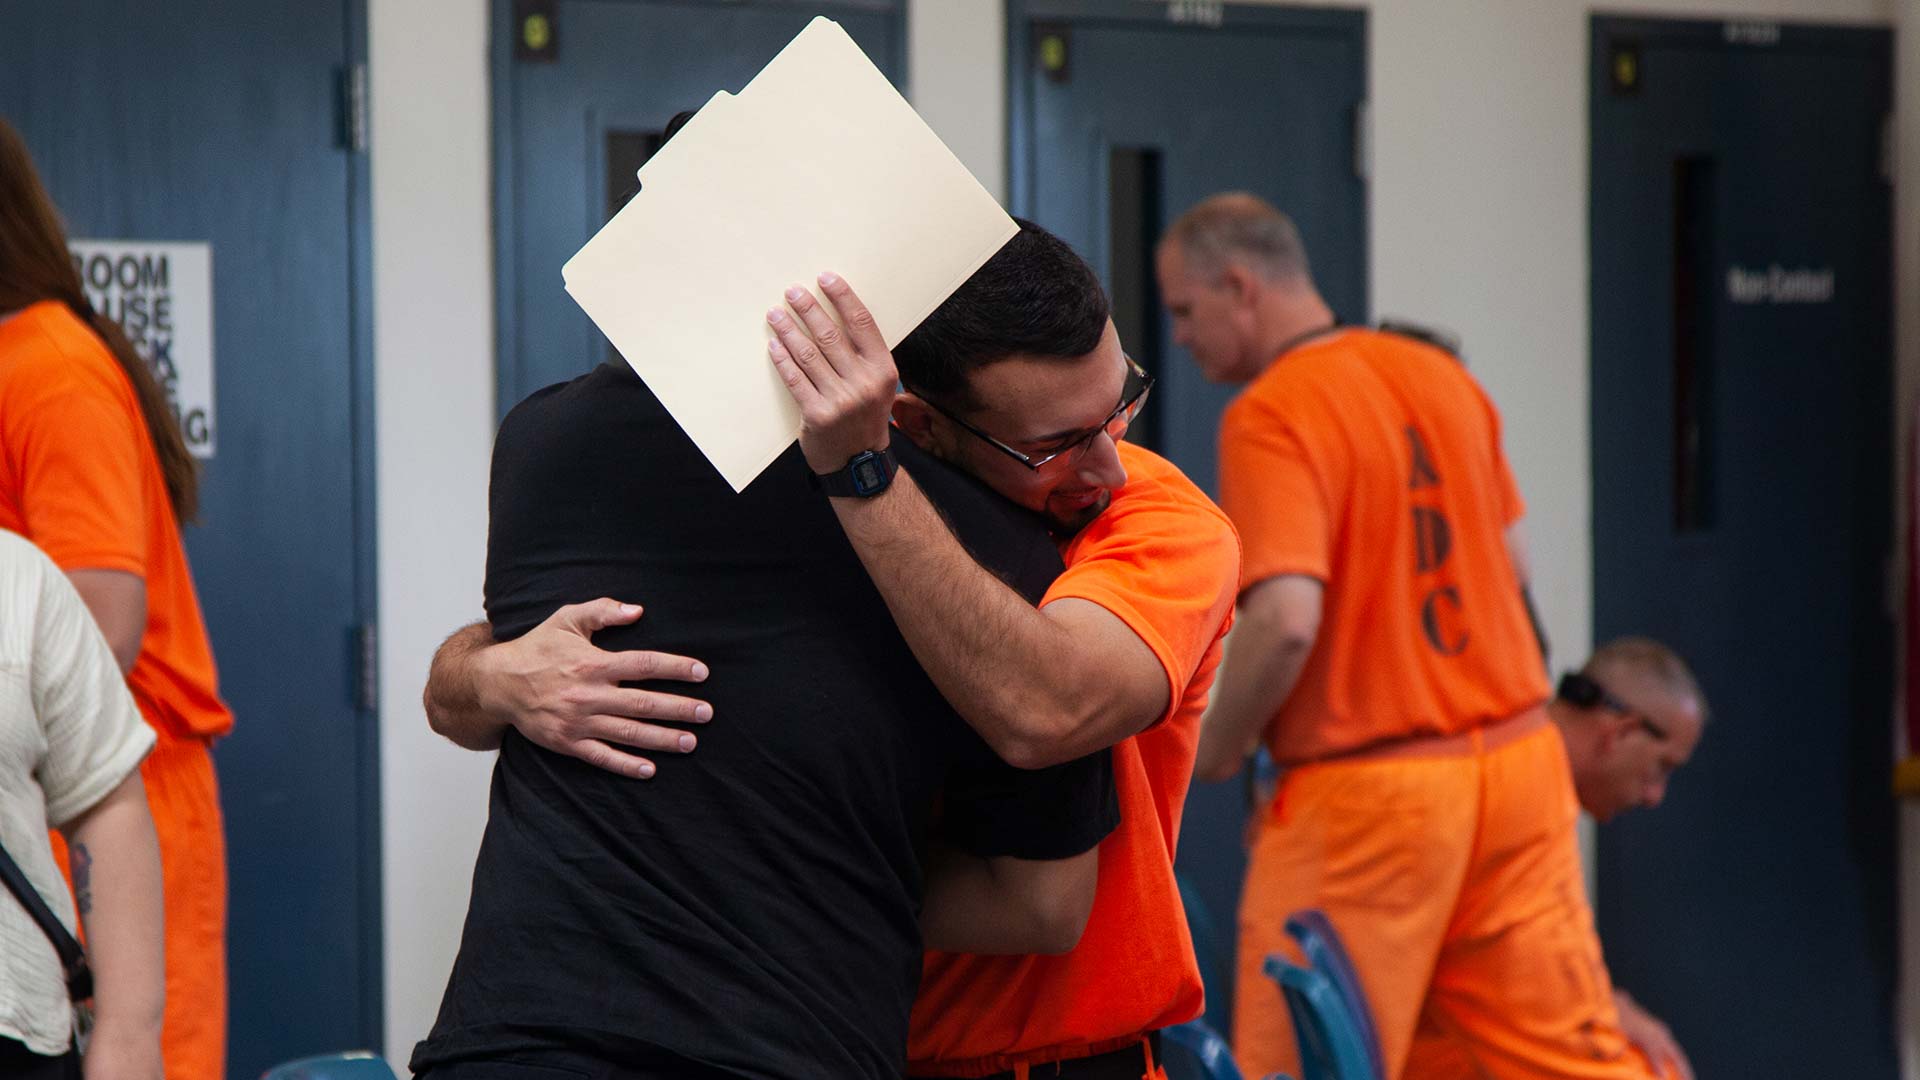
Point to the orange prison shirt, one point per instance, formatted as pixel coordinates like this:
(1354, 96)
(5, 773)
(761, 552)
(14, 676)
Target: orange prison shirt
(1164, 560)
(1373, 461)
(79, 477)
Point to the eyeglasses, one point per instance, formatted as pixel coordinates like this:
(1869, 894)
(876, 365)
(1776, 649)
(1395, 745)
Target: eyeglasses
(1074, 445)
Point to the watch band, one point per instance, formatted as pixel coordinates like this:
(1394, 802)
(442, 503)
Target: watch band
(868, 474)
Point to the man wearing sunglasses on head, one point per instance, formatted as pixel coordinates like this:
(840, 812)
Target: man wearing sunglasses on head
(1630, 718)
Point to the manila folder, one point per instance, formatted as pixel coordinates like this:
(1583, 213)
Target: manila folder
(818, 164)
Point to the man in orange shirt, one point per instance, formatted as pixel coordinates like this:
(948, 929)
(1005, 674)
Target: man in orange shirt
(1019, 379)
(1383, 654)
(1630, 718)
(1120, 653)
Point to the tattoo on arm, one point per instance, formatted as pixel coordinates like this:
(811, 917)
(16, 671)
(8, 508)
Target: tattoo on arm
(82, 861)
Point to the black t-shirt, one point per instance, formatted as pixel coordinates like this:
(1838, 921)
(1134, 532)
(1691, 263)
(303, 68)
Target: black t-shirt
(753, 907)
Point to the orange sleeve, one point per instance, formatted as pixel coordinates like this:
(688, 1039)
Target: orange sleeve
(1164, 561)
(76, 452)
(1272, 489)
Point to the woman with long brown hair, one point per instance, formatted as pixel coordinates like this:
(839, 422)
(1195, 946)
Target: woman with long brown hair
(94, 470)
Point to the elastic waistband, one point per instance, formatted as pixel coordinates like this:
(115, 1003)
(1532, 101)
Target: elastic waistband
(1481, 740)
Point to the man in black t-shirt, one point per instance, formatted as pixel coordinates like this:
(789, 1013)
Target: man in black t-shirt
(759, 915)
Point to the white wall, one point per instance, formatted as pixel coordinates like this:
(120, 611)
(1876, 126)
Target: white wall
(1478, 208)
(957, 80)
(433, 353)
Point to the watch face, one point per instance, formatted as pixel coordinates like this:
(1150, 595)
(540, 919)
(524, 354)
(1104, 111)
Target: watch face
(868, 476)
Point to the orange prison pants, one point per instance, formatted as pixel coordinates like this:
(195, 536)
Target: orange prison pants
(1438, 1055)
(1451, 870)
(185, 802)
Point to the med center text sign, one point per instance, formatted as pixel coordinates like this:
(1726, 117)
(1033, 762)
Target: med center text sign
(161, 294)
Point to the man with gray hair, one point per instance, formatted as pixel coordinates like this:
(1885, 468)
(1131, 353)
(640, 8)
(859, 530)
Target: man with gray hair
(1631, 717)
(1243, 291)
(1382, 653)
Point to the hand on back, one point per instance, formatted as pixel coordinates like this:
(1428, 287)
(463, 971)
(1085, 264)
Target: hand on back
(562, 692)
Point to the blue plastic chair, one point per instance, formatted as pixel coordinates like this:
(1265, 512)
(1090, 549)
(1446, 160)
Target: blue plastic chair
(1330, 1045)
(1321, 945)
(1194, 1051)
(352, 1065)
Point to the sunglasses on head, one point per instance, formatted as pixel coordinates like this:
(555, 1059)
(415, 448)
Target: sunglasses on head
(1583, 691)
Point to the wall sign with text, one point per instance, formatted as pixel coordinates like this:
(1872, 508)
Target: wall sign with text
(1776, 284)
(161, 294)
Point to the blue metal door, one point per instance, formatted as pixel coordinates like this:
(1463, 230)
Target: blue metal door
(574, 121)
(1741, 512)
(1126, 114)
(224, 122)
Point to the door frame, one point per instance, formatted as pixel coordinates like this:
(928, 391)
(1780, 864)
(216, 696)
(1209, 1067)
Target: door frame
(503, 79)
(1021, 157)
(371, 901)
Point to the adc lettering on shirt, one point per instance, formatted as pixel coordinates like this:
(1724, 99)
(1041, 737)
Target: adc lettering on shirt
(161, 294)
(1433, 542)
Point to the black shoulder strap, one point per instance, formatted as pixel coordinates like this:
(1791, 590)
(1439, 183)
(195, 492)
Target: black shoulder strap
(73, 959)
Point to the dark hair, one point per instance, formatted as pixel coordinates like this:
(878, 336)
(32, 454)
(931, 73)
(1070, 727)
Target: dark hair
(35, 266)
(1034, 298)
(667, 133)
(674, 125)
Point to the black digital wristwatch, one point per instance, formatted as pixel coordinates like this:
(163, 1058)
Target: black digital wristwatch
(868, 474)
